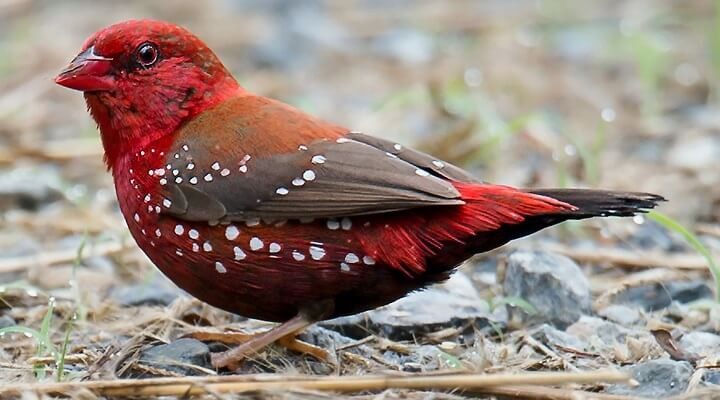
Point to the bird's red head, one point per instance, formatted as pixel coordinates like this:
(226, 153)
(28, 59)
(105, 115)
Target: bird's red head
(142, 79)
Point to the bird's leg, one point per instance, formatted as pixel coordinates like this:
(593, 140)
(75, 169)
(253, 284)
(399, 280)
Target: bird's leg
(284, 333)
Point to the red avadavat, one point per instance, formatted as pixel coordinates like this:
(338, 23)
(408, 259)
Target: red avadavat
(262, 210)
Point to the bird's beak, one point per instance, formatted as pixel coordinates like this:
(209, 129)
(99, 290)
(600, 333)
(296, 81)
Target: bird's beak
(88, 72)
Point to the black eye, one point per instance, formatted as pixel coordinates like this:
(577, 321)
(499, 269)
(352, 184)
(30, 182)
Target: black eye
(146, 55)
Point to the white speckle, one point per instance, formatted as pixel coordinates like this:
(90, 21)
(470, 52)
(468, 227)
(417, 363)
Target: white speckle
(167, 203)
(136, 217)
(175, 172)
(225, 172)
(179, 230)
(178, 180)
(193, 234)
(151, 172)
(274, 247)
(185, 147)
(215, 166)
(282, 191)
(438, 164)
(147, 198)
(150, 208)
(232, 232)
(176, 155)
(195, 247)
(142, 152)
(179, 252)
(256, 244)
(298, 181)
(302, 147)
(298, 256)
(160, 172)
(208, 178)
(367, 260)
(252, 222)
(397, 146)
(421, 172)
(239, 253)
(346, 223)
(190, 166)
(158, 233)
(333, 224)
(163, 181)
(351, 258)
(219, 267)
(344, 267)
(143, 232)
(207, 246)
(309, 175)
(193, 180)
(317, 243)
(391, 155)
(318, 159)
(243, 169)
(246, 158)
(157, 209)
(317, 252)
(342, 140)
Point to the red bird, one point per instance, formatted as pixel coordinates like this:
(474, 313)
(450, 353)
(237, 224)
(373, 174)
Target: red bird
(262, 210)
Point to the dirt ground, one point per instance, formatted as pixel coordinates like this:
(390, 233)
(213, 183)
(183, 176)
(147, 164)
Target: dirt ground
(620, 95)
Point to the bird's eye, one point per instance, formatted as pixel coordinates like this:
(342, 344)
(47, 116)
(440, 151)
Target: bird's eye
(146, 55)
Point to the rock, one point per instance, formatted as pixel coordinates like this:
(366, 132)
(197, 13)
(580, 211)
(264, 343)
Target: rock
(452, 304)
(604, 336)
(29, 187)
(621, 314)
(331, 340)
(700, 343)
(553, 337)
(711, 376)
(159, 292)
(656, 296)
(657, 378)
(180, 356)
(552, 283)
(694, 153)
(6, 321)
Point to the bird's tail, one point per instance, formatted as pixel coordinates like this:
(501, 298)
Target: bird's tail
(600, 203)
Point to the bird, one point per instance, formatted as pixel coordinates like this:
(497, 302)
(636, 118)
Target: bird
(260, 209)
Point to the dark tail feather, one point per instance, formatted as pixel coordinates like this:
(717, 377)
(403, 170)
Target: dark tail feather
(601, 203)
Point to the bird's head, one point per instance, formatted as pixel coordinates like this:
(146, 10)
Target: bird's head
(142, 79)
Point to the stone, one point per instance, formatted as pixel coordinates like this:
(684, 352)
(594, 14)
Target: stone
(657, 296)
(454, 303)
(6, 321)
(621, 314)
(159, 292)
(656, 378)
(180, 356)
(553, 284)
(553, 337)
(700, 343)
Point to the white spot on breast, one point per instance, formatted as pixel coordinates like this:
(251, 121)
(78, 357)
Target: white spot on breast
(142, 152)
(185, 147)
(160, 172)
(143, 232)
(157, 209)
(298, 182)
(163, 181)
(421, 172)
(193, 180)
(316, 252)
(274, 247)
(176, 155)
(438, 164)
(298, 256)
(158, 233)
(333, 224)
(351, 258)
(175, 172)
(215, 166)
(195, 247)
(256, 244)
(219, 267)
(147, 198)
(179, 230)
(346, 223)
(193, 234)
(397, 146)
(178, 180)
(225, 172)
(151, 172)
(190, 166)
(282, 191)
(232, 232)
(243, 169)
(367, 260)
(207, 246)
(208, 178)
(318, 159)
(136, 217)
(309, 175)
(167, 203)
(239, 253)
(344, 267)
(179, 252)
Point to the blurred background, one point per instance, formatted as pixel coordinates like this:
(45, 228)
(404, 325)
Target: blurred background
(616, 94)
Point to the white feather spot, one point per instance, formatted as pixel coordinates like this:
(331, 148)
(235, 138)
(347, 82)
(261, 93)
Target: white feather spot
(225, 172)
(316, 252)
(421, 172)
(342, 140)
(179, 252)
(243, 169)
(163, 181)
(215, 166)
(309, 175)
(239, 253)
(179, 229)
(219, 267)
(193, 234)
(298, 256)
(167, 203)
(351, 258)
(302, 147)
(175, 172)
(193, 180)
(190, 166)
(256, 244)
(274, 247)
(207, 246)
(367, 260)
(195, 247)
(178, 180)
(158, 233)
(298, 182)
(232, 232)
(344, 267)
(282, 191)
(185, 147)
(147, 198)
(136, 217)
(438, 164)
(208, 178)
(333, 224)
(318, 159)
(397, 146)
(346, 223)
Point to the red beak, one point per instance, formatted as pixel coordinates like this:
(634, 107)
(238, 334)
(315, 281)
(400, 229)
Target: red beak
(87, 72)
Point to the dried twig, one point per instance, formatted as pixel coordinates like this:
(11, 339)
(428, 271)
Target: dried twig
(252, 383)
(12, 264)
(634, 258)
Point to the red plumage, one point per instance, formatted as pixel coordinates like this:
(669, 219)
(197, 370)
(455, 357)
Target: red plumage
(262, 210)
